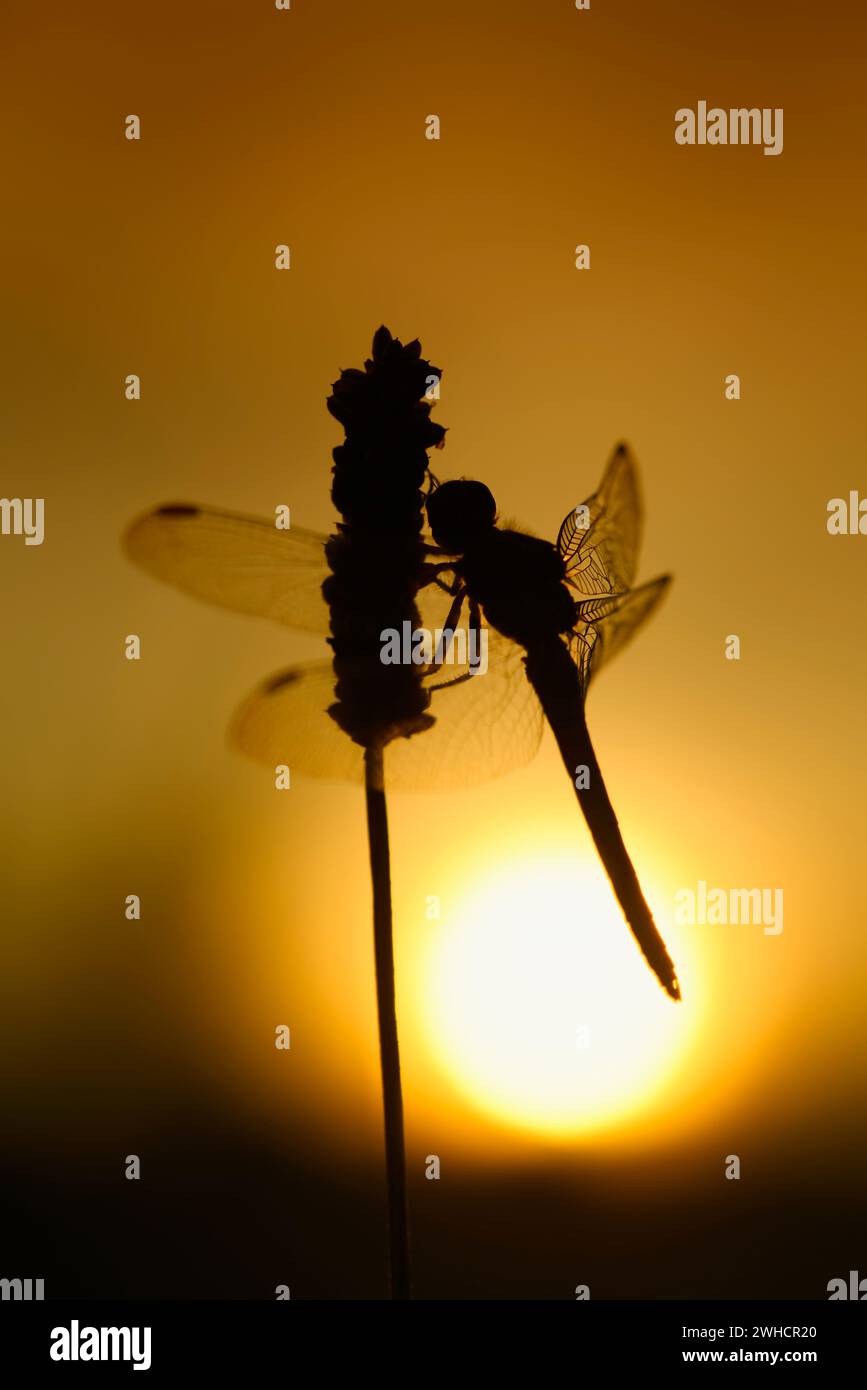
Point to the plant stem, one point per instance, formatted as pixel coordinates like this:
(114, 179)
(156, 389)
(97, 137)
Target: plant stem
(392, 1101)
(554, 677)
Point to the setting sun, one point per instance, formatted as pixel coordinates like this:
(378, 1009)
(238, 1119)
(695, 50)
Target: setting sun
(540, 1009)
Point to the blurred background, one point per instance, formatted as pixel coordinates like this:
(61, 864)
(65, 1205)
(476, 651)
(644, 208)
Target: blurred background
(262, 1167)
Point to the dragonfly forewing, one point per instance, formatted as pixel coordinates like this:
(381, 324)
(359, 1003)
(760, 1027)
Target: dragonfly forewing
(242, 563)
(600, 540)
(245, 564)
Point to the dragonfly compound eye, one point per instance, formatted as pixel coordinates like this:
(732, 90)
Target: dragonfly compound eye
(458, 512)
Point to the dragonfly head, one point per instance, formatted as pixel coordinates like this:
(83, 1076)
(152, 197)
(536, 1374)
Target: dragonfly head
(459, 512)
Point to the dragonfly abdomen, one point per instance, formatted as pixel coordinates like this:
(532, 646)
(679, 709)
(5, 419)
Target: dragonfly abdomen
(556, 680)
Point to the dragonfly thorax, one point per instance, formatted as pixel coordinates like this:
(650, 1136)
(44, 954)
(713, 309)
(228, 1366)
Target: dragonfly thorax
(518, 580)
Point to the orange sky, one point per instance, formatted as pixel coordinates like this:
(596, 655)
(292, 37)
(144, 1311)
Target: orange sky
(157, 258)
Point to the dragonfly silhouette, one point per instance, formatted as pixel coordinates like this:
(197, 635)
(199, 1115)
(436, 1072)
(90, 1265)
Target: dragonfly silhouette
(551, 616)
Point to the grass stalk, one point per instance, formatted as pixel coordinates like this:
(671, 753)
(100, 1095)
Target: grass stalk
(392, 1099)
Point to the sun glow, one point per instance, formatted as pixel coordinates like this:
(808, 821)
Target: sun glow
(539, 1007)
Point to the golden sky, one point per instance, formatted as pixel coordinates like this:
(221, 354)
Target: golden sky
(156, 257)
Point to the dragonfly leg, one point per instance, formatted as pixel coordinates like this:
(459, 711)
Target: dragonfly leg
(431, 575)
(447, 633)
(475, 627)
(455, 680)
(447, 636)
